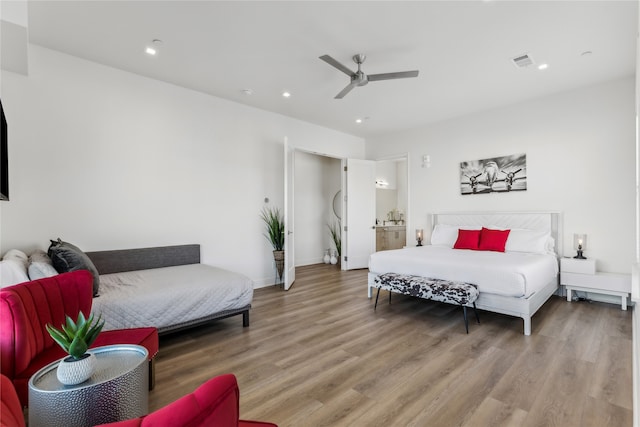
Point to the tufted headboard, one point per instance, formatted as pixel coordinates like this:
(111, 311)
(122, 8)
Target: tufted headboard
(550, 221)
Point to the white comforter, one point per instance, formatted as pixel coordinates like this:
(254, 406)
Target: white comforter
(167, 296)
(515, 274)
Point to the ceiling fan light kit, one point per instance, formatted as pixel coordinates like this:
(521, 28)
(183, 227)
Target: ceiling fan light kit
(359, 78)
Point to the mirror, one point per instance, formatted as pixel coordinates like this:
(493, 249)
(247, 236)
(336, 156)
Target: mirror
(337, 204)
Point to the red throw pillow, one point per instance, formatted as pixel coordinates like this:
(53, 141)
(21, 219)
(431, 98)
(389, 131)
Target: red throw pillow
(467, 239)
(493, 240)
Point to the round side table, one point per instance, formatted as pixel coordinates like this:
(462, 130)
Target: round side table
(117, 390)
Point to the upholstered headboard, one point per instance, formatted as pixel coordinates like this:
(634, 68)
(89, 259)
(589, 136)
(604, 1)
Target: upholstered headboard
(550, 221)
(118, 261)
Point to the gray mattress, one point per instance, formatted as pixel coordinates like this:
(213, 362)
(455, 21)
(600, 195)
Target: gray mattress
(169, 296)
(166, 287)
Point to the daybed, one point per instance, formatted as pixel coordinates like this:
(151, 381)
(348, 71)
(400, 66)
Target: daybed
(166, 287)
(516, 282)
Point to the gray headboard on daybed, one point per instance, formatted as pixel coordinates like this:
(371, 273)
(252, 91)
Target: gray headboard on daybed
(118, 261)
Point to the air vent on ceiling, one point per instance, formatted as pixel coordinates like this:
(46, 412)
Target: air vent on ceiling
(522, 61)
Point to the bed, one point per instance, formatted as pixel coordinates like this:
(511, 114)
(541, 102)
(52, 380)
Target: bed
(166, 287)
(516, 283)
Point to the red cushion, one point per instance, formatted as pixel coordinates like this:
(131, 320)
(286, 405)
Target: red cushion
(213, 404)
(493, 240)
(467, 239)
(10, 409)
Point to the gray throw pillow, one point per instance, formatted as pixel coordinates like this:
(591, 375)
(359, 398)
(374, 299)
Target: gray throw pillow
(67, 257)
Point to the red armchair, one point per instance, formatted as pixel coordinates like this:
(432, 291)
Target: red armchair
(25, 309)
(11, 414)
(215, 403)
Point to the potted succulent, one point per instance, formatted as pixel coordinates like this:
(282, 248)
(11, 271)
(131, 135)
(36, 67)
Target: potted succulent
(75, 338)
(275, 235)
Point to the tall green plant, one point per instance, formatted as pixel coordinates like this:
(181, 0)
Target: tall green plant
(334, 231)
(76, 337)
(274, 221)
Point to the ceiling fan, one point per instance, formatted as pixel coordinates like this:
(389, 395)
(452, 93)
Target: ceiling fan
(359, 78)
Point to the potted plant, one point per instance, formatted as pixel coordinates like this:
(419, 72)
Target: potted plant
(274, 221)
(334, 231)
(75, 338)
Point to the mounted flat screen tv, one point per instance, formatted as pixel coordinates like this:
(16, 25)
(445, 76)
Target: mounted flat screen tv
(4, 158)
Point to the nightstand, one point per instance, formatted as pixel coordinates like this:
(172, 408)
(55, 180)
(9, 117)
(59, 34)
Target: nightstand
(581, 275)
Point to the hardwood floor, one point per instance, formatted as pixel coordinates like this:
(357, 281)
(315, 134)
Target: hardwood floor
(319, 355)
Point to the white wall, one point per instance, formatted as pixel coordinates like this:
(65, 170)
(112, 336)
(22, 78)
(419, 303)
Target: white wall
(107, 159)
(317, 179)
(580, 148)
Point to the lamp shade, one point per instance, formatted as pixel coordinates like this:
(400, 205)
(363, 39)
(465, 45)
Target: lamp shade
(419, 234)
(580, 241)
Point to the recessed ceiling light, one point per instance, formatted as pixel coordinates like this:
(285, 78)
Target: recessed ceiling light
(286, 94)
(150, 51)
(543, 66)
(358, 120)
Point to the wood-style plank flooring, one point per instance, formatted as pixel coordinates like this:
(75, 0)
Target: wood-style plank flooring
(319, 355)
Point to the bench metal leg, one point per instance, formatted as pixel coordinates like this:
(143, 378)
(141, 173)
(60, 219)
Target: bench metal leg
(466, 321)
(377, 295)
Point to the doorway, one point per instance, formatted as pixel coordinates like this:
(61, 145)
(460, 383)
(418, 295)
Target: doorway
(392, 203)
(317, 180)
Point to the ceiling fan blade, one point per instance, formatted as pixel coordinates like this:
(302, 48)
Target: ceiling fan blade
(329, 60)
(346, 90)
(389, 76)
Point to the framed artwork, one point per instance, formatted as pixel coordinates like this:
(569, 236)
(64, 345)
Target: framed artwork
(497, 174)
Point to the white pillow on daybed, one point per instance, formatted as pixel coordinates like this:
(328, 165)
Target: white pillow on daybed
(13, 268)
(40, 265)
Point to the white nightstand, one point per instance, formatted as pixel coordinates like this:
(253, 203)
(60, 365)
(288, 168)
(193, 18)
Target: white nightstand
(581, 275)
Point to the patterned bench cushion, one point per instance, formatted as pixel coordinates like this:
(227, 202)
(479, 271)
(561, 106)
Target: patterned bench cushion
(434, 289)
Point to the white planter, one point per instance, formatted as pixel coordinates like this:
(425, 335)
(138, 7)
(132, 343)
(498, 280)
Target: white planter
(71, 371)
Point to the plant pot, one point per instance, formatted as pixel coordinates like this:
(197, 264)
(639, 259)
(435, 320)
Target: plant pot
(278, 257)
(75, 371)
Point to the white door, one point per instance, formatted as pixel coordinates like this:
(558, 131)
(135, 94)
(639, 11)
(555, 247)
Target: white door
(289, 240)
(360, 212)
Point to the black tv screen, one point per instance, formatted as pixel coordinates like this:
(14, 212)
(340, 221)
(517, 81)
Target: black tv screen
(4, 158)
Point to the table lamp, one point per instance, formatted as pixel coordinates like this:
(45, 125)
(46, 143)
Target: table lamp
(580, 244)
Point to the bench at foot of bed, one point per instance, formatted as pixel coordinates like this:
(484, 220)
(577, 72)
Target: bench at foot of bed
(457, 293)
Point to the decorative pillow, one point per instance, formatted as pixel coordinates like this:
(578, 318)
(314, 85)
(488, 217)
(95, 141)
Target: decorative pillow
(17, 255)
(537, 242)
(446, 235)
(467, 239)
(493, 240)
(66, 257)
(13, 268)
(40, 265)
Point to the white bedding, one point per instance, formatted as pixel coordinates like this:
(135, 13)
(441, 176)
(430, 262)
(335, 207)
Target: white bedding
(512, 274)
(168, 296)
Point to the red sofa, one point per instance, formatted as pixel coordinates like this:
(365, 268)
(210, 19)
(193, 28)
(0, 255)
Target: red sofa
(215, 403)
(11, 414)
(25, 309)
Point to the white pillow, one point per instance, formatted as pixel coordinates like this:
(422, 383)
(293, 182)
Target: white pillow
(446, 235)
(13, 268)
(531, 241)
(40, 265)
(17, 255)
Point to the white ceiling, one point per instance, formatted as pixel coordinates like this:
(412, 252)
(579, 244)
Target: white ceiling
(462, 49)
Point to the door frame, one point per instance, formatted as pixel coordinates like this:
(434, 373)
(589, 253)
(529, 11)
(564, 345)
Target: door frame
(289, 204)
